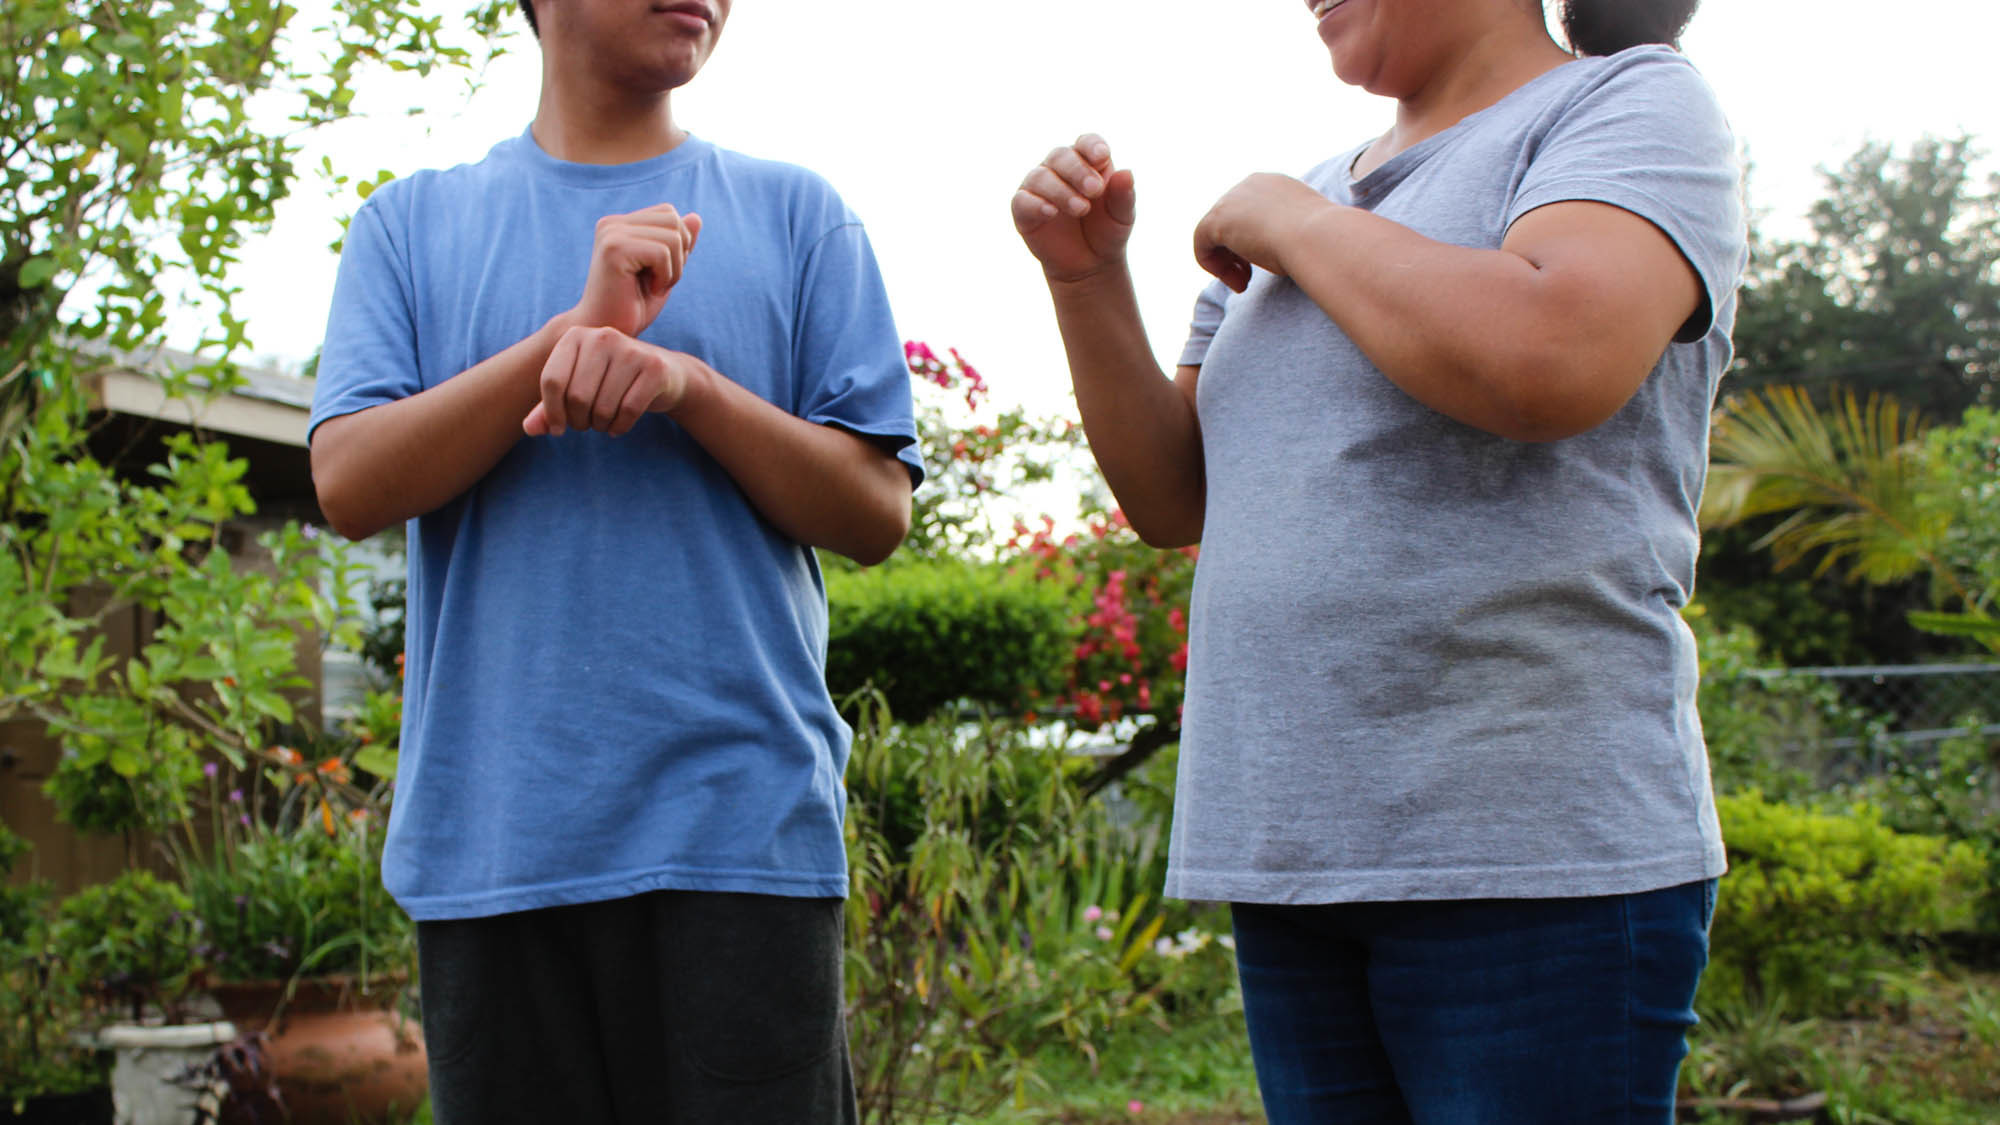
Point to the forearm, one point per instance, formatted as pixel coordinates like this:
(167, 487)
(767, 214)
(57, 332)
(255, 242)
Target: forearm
(820, 485)
(1483, 336)
(390, 463)
(1141, 425)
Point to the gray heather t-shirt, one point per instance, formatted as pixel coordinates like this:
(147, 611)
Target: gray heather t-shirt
(1427, 662)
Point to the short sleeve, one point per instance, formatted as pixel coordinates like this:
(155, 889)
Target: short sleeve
(1208, 310)
(850, 367)
(370, 353)
(1649, 137)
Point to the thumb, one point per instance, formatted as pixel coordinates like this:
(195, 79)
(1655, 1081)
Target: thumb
(691, 223)
(536, 424)
(1121, 197)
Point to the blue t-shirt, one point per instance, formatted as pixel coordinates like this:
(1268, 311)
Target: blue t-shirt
(615, 679)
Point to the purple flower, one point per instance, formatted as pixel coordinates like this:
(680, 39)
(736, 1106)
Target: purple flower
(208, 770)
(245, 818)
(236, 796)
(309, 531)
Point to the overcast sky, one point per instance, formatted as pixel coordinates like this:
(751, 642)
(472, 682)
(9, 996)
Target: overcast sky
(926, 113)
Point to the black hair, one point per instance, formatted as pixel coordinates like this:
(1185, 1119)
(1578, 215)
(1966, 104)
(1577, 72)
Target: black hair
(1606, 27)
(528, 10)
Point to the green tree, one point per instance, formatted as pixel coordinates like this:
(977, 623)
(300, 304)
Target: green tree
(1897, 290)
(141, 145)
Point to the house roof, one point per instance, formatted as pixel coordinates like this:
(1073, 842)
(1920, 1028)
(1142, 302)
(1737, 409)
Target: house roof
(268, 404)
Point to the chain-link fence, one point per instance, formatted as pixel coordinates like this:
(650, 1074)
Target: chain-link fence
(1840, 726)
(1908, 704)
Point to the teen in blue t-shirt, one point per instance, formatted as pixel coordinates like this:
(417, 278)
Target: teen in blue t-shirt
(619, 382)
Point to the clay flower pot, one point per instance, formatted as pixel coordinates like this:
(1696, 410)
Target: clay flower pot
(340, 1056)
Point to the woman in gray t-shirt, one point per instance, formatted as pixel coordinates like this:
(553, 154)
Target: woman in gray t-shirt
(1441, 430)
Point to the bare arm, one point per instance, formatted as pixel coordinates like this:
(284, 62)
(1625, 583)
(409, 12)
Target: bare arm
(1075, 213)
(389, 463)
(1542, 339)
(386, 464)
(820, 485)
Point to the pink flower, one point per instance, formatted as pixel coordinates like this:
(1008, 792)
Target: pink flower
(1135, 1107)
(1092, 913)
(1104, 933)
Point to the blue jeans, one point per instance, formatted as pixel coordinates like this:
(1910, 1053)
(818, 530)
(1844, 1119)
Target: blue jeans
(1487, 1012)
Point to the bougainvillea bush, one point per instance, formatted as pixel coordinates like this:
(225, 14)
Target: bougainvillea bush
(1124, 642)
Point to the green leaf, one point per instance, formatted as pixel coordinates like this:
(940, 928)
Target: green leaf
(378, 760)
(126, 762)
(274, 706)
(36, 272)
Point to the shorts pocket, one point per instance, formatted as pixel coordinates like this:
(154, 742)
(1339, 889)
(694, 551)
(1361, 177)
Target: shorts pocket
(757, 988)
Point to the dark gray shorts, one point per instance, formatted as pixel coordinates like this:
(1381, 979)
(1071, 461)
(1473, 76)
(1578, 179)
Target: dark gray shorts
(676, 1008)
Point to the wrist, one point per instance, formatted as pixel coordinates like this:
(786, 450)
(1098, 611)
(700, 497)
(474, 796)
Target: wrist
(553, 328)
(1311, 228)
(1113, 277)
(691, 383)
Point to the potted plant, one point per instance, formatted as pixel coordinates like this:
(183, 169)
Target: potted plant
(303, 943)
(133, 944)
(48, 1070)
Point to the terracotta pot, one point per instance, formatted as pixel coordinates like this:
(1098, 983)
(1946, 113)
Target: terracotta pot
(341, 1057)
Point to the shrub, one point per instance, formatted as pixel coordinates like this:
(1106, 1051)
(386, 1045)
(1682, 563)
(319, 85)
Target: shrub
(996, 914)
(41, 1012)
(135, 941)
(300, 901)
(930, 633)
(1951, 789)
(1814, 902)
(1766, 732)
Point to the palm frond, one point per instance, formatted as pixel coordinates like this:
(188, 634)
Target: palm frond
(1854, 479)
(1978, 626)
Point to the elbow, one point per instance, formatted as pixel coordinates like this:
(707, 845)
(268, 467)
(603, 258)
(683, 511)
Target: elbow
(1547, 398)
(1168, 534)
(339, 503)
(344, 521)
(879, 537)
(1168, 539)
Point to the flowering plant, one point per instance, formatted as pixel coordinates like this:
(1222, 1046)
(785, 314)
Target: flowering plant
(976, 456)
(1131, 658)
(288, 882)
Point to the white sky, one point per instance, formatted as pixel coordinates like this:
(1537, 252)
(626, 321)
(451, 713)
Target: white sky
(926, 113)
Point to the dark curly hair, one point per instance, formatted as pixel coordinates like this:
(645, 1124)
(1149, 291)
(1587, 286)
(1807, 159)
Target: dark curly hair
(528, 10)
(1605, 27)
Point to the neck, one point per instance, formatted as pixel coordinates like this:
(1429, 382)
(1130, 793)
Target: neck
(1480, 68)
(587, 119)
